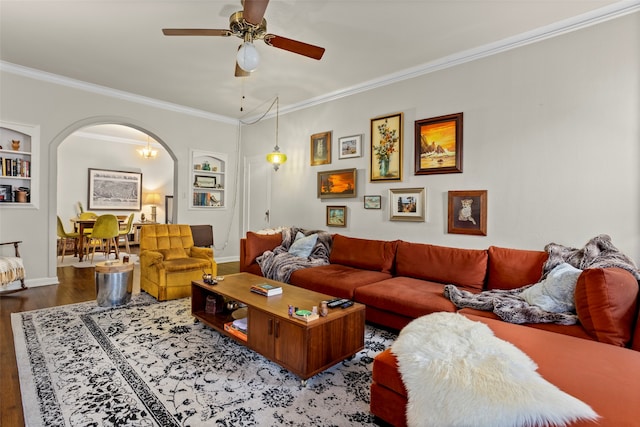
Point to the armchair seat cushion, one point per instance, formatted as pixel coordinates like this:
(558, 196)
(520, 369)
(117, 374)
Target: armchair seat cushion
(185, 264)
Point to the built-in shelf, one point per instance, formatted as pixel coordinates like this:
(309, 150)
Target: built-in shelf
(19, 147)
(208, 180)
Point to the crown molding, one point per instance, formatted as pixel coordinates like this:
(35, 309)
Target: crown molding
(613, 11)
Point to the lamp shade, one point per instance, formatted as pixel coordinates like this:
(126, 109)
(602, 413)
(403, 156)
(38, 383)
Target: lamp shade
(152, 199)
(248, 57)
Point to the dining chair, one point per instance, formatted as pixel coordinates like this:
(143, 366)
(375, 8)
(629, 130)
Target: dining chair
(64, 236)
(105, 231)
(125, 230)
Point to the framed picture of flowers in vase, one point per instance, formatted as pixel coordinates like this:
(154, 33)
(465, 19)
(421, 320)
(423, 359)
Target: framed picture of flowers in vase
(386, 148)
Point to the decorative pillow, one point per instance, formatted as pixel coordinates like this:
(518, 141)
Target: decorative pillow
(556, 292)
(173, 253)
(303, 245)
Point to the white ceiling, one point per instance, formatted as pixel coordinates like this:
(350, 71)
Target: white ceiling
(119, 44)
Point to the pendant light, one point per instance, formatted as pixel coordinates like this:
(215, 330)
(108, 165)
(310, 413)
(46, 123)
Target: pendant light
(148, 152)
(276, 158)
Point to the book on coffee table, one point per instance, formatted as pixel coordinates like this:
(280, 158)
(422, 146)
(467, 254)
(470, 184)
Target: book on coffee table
(266, 289)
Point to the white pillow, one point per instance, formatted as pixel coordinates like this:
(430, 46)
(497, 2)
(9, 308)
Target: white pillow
(303, 245)
(556, 292)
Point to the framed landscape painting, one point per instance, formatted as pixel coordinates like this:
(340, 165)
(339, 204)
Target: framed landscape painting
(438, 145)
(467, 212)
(350, 146)
(320, 148)
(338, 183)
(336, 216)
(114, 190)
(386, 148)
(372, 202)
(407, 204)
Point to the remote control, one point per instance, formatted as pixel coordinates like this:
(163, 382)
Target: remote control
(347, 304)
(334, 304)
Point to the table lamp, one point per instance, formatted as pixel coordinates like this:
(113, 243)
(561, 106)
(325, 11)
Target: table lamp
(152, 199)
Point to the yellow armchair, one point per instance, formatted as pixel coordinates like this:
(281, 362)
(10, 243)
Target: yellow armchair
(169, 261)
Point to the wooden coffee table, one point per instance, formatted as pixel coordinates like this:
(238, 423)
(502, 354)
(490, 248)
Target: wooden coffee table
(303, 348)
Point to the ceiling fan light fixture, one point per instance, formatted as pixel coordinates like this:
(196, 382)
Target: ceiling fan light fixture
(248, 57)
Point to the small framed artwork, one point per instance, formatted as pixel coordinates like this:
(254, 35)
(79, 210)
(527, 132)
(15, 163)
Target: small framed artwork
(467, 212)
(205, 181)
(350, 146)
(115, 190)
(321, 148)
(336, 216)
(438, 145)
(407, 204)
(372, 202)
(5, 193)
(386, 148)
(338, 183)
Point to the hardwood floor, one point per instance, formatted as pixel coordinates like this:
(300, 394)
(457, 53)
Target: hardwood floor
(76, 285)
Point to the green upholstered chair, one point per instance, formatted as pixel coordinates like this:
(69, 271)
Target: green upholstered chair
(105, 232)
(63, 237)
(125, 230)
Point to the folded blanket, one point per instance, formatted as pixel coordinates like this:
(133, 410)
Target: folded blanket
(507, 305)
(279, 264)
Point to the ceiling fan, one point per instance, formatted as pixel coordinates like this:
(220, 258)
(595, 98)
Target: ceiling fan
(249, 24)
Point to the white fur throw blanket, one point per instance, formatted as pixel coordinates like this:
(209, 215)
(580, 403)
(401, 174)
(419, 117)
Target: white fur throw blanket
(457, 373)
(279, 264)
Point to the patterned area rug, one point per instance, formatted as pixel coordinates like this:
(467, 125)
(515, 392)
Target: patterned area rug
(149, 364)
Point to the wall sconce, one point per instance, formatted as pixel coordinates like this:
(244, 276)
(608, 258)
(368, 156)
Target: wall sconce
(148, 152)
(152, 199)
(276, 158)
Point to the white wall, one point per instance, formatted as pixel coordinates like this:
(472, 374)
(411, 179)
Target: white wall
(550, 130)
(61, 110)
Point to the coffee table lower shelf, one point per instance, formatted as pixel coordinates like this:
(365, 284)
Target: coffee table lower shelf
(304, 349)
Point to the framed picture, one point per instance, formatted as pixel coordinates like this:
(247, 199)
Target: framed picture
(338, 183)
(350, 146)
(407, 204)
(114, 190)
(168, 209)
(386, 148)
(321, 148)
(205, 181)
(5, 193)
(372, 202)
(467, 212)
(336, 216)
(439, 145)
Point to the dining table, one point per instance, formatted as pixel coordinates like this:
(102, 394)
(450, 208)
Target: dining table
(79, 225)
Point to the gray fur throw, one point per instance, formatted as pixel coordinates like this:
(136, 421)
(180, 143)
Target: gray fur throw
(507, 305)
(279, 264)
(599, 252)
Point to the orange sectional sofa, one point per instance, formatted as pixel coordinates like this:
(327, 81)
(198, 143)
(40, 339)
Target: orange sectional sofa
(596, 360)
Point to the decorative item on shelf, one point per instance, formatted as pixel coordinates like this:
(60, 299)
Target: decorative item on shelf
(276, 158)
(152, 199)
(206, 166)
(15, 144)
(147, 152)
(22, 195)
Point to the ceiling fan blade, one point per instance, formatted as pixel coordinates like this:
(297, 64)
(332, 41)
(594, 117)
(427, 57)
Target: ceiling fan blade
(294, 46)
(195, 32)
(254, 10)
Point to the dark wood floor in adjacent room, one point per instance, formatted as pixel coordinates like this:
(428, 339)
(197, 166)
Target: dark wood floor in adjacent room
(76, 285)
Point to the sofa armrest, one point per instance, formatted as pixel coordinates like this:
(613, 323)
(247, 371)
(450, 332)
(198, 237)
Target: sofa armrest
(149, 258)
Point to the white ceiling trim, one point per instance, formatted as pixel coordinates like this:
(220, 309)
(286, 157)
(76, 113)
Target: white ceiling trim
(597, 16)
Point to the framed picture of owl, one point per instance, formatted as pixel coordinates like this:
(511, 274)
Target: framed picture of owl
(467, 212)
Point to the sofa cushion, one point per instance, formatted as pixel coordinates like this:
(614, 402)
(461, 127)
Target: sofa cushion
(375, 255)
(173, 253)
(555, 293)
(462, 267)
(335, 279)
(257, 244)
(514, 268)
(606, 301)
(303, 245)
(405, 295)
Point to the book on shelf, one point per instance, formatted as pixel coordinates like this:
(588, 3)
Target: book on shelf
(235, 331)
(266, 289)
